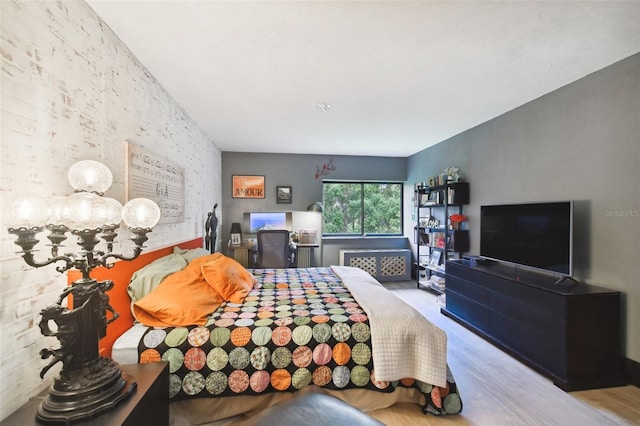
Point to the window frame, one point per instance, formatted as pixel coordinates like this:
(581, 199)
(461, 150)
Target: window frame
(362, 233)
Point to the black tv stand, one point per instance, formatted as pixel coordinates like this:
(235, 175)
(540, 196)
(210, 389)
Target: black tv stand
(570, 333)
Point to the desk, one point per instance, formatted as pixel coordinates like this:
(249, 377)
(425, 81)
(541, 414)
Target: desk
(147, 405)
(303, 255)
(241, 254)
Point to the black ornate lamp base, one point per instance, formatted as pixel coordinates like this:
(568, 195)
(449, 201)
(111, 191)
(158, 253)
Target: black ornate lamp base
(66, 403)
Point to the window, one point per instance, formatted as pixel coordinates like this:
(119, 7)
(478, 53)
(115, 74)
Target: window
(362, 208)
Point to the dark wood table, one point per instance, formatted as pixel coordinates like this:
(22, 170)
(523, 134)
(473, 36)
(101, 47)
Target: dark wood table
(147, 405)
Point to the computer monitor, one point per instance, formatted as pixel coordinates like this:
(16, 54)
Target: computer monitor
(256, 221)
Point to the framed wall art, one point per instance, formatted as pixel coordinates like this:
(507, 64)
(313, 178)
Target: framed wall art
(247, 186)
(154, 177)
(236, 240)
(283, 194)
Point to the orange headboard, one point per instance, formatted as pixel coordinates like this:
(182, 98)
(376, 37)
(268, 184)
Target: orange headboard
(120, 274)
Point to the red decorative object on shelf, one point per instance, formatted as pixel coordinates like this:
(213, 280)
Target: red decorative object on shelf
(456, 220)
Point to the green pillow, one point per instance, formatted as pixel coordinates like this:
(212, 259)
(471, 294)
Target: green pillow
(190, 254)
(146, 279)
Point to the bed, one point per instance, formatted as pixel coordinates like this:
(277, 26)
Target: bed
(290, 330)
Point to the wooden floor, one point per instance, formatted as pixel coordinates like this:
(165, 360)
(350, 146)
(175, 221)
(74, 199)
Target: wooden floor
(498, 390)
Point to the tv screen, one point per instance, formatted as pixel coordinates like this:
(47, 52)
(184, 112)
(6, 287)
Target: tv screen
(256, 221)
(537, 235)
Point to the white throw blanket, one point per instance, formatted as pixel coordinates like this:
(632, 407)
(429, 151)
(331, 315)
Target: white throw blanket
(404, 342)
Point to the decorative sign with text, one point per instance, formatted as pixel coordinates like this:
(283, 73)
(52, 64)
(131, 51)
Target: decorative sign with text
(247, 186)
(158, 179)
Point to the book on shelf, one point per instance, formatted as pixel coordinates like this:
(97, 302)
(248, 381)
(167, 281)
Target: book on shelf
(424, 282)
(424, 238)
(450, 195)
(438, 279)
(439, 287)
(453, 256)
(438, 239)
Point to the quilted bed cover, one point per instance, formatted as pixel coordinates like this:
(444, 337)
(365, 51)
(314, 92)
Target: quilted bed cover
(336, 328)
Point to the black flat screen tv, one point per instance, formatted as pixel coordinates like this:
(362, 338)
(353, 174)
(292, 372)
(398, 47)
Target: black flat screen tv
(536, 235)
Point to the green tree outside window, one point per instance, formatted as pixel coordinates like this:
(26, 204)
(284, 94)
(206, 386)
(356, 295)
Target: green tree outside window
(362, 208)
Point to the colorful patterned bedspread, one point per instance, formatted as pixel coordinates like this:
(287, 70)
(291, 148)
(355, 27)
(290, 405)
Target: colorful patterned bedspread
(297, 327)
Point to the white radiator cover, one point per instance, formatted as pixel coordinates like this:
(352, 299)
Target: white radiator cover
(382, 264)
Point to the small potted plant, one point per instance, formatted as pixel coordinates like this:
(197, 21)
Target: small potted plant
(452, 174)
(456, 220)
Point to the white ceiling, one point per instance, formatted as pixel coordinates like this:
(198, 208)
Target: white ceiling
(399, 76)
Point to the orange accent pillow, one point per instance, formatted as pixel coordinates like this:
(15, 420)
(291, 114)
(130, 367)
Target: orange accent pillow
(183, 298)
(229, 278)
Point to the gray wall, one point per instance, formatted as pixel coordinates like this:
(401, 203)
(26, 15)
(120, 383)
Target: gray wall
(582, 143)
(299, 171)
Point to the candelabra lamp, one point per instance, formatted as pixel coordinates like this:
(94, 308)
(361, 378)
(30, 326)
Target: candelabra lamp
(88, 384)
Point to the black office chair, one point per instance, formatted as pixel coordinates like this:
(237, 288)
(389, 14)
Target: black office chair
(274, 250)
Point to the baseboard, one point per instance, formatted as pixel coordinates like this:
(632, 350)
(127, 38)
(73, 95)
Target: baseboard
(632, 371)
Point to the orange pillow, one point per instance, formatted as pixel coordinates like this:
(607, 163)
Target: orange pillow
(183, 298)
(229, 278)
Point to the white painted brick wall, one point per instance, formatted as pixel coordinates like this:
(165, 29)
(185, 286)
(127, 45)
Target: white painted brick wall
(72, 91)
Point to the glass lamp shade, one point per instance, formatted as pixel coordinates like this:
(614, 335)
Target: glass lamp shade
(90, 176)
(141, 213)
(25, 210)
(57, 205)
(84, 210)
(114, 211)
